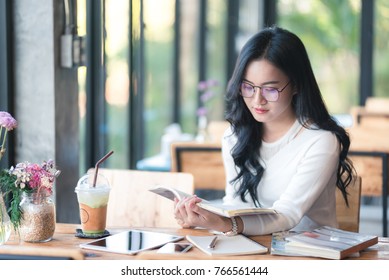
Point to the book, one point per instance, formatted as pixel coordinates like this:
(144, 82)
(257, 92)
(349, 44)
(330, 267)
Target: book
(217, 208)
(227, 245)
(323, 242)
(278, 242)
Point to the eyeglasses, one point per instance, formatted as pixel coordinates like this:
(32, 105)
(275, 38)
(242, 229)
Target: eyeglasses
(269, 93)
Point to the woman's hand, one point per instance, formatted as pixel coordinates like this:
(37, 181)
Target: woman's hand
(188, 215)
(180, 213)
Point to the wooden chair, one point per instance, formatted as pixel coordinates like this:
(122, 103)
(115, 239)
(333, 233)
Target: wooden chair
(375, 113)
(370, 169)
(348, 217)
(204, 161)
(369, 143)
(369, 152)
(132, 205)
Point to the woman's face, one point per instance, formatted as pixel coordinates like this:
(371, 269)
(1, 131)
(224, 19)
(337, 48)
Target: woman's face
(261, 73)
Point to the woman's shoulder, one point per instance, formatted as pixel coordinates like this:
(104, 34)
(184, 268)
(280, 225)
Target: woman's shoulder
(324, 138)
(314, 130)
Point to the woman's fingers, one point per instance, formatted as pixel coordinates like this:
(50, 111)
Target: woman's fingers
(188, 213)
(180, 212)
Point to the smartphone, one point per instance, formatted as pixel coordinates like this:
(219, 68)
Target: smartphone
(172, 248)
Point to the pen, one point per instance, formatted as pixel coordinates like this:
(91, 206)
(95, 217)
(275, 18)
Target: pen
(213, 243)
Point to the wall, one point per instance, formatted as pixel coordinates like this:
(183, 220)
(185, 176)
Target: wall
(46, 98)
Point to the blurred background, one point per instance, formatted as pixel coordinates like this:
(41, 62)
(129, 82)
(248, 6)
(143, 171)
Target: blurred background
(158, 51)
(135, 67)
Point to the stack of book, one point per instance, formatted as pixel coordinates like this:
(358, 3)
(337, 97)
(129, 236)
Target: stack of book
(324, 242)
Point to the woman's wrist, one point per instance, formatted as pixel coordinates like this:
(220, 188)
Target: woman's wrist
(232, 226)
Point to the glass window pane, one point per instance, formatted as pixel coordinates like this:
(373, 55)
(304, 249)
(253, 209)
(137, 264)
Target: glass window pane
(330, 32)
(189, 48)
(216, 56)
(81, 29)
(159, 50)
(381, 47)
(249, 21)
(117, 81)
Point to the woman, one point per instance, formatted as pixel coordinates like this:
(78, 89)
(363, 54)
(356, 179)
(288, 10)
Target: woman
(283, 149)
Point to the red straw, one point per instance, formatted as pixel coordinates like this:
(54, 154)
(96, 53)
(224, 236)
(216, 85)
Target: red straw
(97, 166)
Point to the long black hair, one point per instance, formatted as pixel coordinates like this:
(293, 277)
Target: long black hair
(287, 52)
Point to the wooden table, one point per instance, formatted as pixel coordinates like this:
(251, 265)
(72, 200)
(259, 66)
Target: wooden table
(64, 242)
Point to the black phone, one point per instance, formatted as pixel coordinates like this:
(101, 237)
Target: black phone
(172, 248)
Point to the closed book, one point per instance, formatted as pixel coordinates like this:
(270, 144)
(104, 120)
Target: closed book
(227, 245)
(323, 242)
(217, 208)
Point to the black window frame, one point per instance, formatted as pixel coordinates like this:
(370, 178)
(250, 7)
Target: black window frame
(6, 76)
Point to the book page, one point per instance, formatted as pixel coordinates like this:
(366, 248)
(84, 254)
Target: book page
(234, 210)
(169, 192)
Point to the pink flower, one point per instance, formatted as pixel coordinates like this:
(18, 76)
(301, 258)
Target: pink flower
(35, 177)
(212, 83)
(7, 121)
(202, 111)
(207, 94)
(203, 85)
(4, 114)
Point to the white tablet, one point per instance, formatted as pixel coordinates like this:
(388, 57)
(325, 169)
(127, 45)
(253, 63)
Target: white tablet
(131, 242)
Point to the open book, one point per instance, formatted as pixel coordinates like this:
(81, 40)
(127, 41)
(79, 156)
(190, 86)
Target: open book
(324, 242)
(227, 245)
(217, 208)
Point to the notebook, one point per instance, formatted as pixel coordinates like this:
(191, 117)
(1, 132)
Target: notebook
(227, 245)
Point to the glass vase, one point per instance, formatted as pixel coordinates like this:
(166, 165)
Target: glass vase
(5, 222)
(202, 129)
(38, 218)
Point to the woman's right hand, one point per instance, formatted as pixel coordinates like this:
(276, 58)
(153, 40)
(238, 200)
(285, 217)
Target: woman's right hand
(189, 215)
(181, 212)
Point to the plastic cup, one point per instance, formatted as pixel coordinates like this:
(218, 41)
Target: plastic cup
(93, 202)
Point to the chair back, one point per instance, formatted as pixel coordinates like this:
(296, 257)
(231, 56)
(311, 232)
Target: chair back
(368, 151)
(131, 204)
(203, 160)
(348, 217)
(374, 114)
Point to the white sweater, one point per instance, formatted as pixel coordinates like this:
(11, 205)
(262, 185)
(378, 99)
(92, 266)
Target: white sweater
(299, 181)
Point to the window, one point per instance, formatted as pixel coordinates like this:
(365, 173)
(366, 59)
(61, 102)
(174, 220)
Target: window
(381, 46)
(330, 32)
(153, 62)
